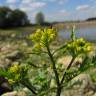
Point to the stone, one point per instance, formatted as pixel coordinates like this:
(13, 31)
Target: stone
(83, 87)
(14, 56)
(94, 94)
(4, 86)
(22, 94)
(14, 93)
(66, 60)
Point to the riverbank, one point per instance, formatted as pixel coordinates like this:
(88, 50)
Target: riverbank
(77, 24)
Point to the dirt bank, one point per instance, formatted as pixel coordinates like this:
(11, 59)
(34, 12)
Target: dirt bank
(78, 24)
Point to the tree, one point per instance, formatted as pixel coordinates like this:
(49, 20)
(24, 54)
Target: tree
(12, 18)
(4, 16)
(18, 18)
(91, 19)
(40, 18)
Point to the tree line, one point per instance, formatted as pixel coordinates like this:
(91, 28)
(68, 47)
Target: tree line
(91, 19)
(12, 18)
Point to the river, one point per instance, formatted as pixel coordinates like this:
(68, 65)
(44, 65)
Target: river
(89, 33)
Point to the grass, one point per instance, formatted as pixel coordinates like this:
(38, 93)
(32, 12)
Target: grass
(16, 34)
(18, 30)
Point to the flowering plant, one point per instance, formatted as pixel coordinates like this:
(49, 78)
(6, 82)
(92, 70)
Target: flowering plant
(50, 76)
(42, 39)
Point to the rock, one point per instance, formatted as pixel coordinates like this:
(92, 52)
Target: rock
(86, 81)
(81, 85)
(4, 85)
(22, 94)
(5, 63)
(66, 60)
(13, 35)
(94, 94)
(14, 55)
(26, 90)
(7, 47)
(90, 93)
(14, 93)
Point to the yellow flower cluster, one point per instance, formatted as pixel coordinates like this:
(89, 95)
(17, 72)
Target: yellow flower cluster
(37, 47)
(15, 68)
(11, 81)
(36, 37)
(79, 46)
(43, 37)
(16, 73)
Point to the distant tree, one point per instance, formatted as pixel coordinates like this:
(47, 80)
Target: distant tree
(4, 16)
(18, 18)
(40, 18)
(91, 19)
(12, 18)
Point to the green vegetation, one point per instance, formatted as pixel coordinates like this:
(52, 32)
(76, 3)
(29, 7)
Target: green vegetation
(12, 18)
(40, 19)
(36, 67)
(39, 71)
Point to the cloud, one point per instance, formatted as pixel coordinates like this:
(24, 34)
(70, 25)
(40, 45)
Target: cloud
(64, 12)
(11, 1)
(37, 4)
(26, 1)
(32, 6)
(62, 1)
(52, 0)
(25, 9)
(82, 7)
(12, 6)
(56, 1)
(60, 15)
(49, 0)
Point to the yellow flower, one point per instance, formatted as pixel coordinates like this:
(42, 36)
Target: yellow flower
(89, 48)
(14, 68)
(37, 47)
(79, 46)
(80, 40)
(69, 45)
(11, 81)
(43, 37)
(36, 36)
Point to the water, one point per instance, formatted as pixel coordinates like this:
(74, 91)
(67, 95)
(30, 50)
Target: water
(89, 33)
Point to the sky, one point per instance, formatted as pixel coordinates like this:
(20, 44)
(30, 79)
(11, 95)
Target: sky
(55, 10)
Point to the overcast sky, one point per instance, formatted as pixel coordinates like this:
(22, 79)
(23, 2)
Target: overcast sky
(55, 10)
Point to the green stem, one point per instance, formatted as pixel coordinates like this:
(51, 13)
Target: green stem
(29, 86)
(59, 89)
(54, 66)
(69, 66)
